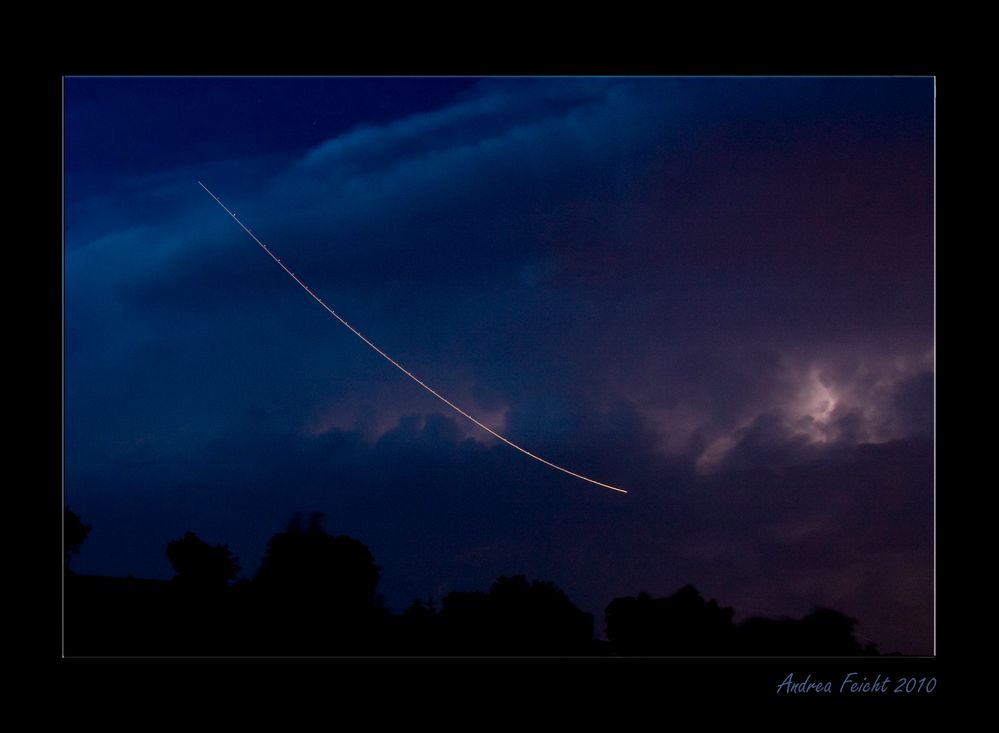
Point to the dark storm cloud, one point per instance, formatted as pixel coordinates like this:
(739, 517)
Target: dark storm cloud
(713, 292)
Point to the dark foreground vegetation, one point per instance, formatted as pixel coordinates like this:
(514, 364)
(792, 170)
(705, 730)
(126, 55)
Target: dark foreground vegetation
(316, 594)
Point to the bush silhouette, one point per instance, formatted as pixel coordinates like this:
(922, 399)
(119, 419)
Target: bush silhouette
(74, 533)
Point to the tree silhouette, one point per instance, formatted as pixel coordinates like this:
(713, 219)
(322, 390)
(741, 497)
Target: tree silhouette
(824, 632)
(312, 563)
(199, 565)
(516, 617)
(74, 533)
(681, 625)
(685, 625)
(315, 594)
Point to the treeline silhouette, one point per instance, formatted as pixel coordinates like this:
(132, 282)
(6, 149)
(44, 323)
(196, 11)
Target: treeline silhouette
(316, 594)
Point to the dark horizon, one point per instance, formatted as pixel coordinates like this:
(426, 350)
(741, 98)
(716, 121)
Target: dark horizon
(316, 593)
(715, 293)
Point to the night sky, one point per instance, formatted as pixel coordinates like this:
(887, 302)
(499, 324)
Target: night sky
(715, 293)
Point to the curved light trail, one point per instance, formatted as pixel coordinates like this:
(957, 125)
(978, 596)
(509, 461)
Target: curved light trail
(399, 366)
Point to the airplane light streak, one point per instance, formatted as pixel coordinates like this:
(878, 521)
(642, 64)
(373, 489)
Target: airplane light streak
(396, 364)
